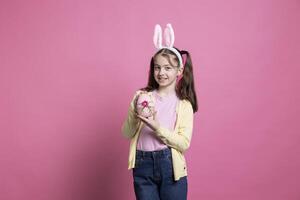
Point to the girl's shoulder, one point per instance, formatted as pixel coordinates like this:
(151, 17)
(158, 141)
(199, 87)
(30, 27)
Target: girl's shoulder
(186, 104)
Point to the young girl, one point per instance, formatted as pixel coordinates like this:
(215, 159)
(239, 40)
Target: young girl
(158, 142)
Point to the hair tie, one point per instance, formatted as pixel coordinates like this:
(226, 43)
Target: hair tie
(184, 57)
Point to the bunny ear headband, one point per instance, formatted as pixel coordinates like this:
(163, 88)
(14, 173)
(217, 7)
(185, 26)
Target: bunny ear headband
(169, 40)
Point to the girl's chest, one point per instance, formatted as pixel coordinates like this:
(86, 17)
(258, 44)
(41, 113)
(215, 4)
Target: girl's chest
(166, 112)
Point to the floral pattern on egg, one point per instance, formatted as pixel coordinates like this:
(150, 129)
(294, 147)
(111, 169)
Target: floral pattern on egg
(145, 105)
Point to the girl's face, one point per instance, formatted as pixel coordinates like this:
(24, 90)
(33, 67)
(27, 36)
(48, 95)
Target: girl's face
(164, 73)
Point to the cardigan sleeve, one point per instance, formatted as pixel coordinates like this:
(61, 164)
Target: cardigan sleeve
(181, 139)
(131, 123)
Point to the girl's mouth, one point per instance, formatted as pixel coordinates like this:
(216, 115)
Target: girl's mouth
(162, 79)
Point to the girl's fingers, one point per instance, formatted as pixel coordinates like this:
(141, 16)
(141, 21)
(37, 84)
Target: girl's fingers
(143, 119)
(139, 116)
(136, 115)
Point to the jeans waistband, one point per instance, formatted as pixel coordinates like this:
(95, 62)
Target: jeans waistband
(163, 152)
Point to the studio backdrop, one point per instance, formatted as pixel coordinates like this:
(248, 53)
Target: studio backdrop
(68, 71)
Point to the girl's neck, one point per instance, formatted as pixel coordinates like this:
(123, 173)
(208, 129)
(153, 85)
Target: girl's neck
(165, 91)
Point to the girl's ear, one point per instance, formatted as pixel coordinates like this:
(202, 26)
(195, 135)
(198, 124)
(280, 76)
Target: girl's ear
(180, 71)
(157, 38)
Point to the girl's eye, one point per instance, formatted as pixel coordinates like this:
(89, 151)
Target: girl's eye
(168, 68)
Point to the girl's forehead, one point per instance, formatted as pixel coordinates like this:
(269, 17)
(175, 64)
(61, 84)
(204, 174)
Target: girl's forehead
(161, 60)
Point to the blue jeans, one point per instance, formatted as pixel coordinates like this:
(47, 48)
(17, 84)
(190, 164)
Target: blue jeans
(153, 177)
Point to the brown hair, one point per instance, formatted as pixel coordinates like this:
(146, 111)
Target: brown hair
(185, 87)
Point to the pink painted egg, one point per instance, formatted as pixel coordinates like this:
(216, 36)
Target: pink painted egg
(145, 105)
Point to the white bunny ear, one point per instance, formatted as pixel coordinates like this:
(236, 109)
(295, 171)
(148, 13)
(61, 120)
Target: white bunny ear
(169, 36)
(157, 38)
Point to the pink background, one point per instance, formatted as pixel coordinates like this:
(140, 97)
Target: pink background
(68, 70)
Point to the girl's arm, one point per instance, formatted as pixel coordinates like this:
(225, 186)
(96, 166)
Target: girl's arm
(180, 140)
(131, 123)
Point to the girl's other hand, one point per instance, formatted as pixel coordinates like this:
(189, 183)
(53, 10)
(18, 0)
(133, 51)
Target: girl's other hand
(150, 121)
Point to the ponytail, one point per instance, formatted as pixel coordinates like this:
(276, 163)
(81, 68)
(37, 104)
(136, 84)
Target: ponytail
(185, 88)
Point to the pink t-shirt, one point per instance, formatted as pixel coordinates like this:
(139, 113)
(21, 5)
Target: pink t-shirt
(166, 115)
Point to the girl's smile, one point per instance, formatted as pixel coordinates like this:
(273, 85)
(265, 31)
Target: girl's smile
(164, 73)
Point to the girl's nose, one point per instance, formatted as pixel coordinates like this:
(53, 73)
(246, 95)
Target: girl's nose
(161, 72)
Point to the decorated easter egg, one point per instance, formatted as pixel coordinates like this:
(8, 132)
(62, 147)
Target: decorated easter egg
(145, 105)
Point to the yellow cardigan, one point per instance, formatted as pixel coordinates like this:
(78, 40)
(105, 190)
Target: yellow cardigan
(179, 139)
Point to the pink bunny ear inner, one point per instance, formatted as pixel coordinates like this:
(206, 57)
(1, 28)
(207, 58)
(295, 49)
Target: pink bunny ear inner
(169, 36)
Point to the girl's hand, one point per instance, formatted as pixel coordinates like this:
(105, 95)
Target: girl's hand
(135, 107)
(151, 121)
